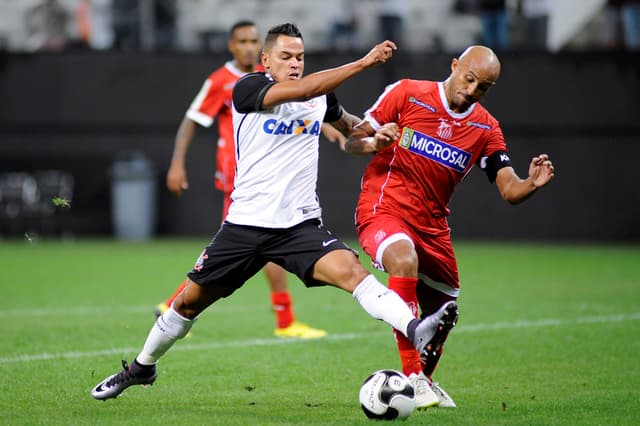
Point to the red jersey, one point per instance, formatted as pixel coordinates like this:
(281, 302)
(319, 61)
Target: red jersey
(415, 176)
(214, 99)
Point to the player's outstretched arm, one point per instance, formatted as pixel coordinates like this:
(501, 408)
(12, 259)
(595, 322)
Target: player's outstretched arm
(365, 140)
(515, 190)
(323, 82)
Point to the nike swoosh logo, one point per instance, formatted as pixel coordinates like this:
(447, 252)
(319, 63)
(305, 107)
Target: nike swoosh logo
(383, 294)
(326, 243)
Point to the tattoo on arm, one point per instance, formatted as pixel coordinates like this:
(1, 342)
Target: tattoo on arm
(346, 123)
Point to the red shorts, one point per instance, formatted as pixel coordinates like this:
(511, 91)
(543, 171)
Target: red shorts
(437, 261)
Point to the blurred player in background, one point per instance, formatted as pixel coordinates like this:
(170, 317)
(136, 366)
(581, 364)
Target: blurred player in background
(439, 131)
(275, 214)
(214, 100)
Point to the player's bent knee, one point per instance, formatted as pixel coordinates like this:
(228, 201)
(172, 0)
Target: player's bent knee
(185, 311)
(340, 268)
(401, 262)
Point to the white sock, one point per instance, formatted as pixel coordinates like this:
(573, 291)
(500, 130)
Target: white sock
(169, 327)
(383, 304)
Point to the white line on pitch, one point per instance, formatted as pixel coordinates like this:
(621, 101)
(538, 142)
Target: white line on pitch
(81, 311)
(344, 336)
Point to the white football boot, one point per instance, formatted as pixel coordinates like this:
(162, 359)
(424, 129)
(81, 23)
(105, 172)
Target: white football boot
(425, 396)
(443, 397)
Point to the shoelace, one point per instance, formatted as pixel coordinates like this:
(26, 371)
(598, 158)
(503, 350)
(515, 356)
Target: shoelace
(437, 390)
(421, 386)
(121, 376)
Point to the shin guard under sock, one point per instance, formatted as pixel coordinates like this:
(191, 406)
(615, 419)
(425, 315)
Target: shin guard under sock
(168, 328)
(383, 304)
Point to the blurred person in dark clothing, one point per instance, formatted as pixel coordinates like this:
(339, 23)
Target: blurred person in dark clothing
(47, 25)
(151, 28)
(391, 19)
(631, 23)
(126, 24)
(495, 23)
(535, 14)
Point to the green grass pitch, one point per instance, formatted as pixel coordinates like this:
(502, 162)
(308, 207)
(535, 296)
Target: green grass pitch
(549, 334)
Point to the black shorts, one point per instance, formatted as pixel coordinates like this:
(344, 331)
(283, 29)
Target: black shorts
(238, 252)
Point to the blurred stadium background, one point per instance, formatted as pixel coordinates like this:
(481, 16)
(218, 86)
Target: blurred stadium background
(93, 92)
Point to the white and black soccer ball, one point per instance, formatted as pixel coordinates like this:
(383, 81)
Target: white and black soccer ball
(387, 395)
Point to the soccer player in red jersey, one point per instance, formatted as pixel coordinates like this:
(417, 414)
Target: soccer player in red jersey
(214, 101)
(426, 137)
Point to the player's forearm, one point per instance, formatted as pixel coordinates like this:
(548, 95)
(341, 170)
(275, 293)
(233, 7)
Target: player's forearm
(517, 190)
(326, 81)
(184, 136)
(365, 140)
(346, 123)
(323, 82)
(360, 143)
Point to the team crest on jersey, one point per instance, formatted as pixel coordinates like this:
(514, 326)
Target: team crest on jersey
(311, 103)
(445, 131)
(200, 261)
(434, 149)
(422, 104)
(291, 127)
(380, 235)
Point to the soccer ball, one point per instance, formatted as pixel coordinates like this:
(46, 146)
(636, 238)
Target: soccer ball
(387, 395)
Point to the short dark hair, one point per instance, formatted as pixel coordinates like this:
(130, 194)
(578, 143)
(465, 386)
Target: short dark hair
(240, 24)
(288, 29)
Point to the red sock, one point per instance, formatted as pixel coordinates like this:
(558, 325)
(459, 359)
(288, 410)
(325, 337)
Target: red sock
(281, 302)
(406, 289)
(175, 294)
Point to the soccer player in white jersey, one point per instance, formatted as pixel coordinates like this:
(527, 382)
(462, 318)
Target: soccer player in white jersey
(213, 102)
(274, 214)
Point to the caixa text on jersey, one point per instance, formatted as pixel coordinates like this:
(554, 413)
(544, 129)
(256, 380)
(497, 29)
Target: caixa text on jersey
(292, 127)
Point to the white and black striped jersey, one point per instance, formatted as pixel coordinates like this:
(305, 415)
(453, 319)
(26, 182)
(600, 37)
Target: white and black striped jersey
(276, 155)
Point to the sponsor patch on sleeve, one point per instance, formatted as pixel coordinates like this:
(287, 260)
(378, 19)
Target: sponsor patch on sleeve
(478, 125)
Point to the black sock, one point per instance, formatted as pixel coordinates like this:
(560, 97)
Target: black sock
(411, 329)
(138, 369)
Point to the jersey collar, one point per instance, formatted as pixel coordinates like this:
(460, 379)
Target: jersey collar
(445, 103)
(233, 69)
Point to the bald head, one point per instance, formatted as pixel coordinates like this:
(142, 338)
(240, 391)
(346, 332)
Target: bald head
(482, 60)
(474, 72)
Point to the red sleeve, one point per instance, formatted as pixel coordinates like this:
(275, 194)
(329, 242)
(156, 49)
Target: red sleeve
(388, 104)
(495, 141)
(209, 101)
